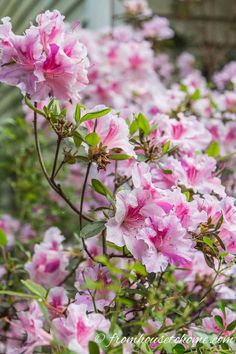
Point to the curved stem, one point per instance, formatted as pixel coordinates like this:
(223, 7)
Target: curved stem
(54, 186)
(59, 139)
(81, 209)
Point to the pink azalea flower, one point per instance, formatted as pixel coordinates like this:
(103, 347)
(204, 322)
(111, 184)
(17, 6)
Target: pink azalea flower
(51, 27)
(199, 175)
(157, 28)
(11, 227)
(48, 60)
(113, 134)
(214, 209)
(49, 262)
(226, 75)
(148, 232)
(79, 328)
(137, 7)
(198, 269)
(57, 300)
(102, 296)
(185, 64)
(187, 133)
(164, 241)
(131, 210)
(29, 328)
(228, 317)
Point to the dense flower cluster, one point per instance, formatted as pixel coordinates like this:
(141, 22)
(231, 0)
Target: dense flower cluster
(48, 60)
(154, 193)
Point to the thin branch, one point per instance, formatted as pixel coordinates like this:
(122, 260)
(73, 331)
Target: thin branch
(54, 186)
(81, 209)
(59, 139)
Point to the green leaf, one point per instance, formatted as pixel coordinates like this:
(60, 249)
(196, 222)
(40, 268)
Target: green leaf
(184, 88)
(167, 172)
(178, 349)
(77, 112)
(67, 351)
(165, 147)
(214, 104)
(219, 322)
(209, 261)
(231, 326)
(223, 254)
(17, 294)
(92, 229)
(139, 268)
(55, 108)
(3, 238)
(49, 106)
(95, 115)
(219, 222)
(188, 196)
(119, 157)
(196, 95)
(93, 348)
(117, 350)
(35, 288)
(77, 140)
(208, 241)
(92, 139)
(143, 124)
(133, 127)
(220, 241)
(213, 149)
(100, 188)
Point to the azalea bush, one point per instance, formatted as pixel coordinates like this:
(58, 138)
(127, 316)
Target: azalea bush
(123, 233)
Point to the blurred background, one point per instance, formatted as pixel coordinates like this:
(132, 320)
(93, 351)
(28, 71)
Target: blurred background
(206, 28)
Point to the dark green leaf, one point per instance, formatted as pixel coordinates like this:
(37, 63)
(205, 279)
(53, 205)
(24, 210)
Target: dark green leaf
(219, 322)
(92, 229)
(178, 349)
(167, 172)
(209, 261)
(220, 241)
(93, 348)
(100, 188)
(231, 326)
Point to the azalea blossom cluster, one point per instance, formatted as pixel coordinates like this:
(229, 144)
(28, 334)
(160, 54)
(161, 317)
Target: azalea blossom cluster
(154, 238)
(48, 60)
